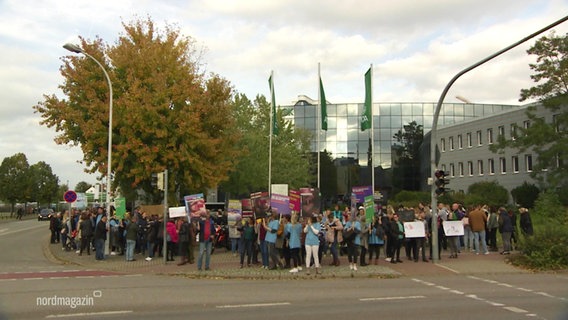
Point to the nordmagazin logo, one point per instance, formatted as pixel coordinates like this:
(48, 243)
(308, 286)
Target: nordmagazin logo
(71, 302)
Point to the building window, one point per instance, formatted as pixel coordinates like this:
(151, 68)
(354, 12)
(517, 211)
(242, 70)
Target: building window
(451, 142)
(528, 163)
(470, 168)
(491, 165)
(479, 141)
(443, 167)
(460, 142)
(452, 170)
(559, 162)
(443, 145)
(526, 124)
(513, 131)
(503, 165)
(515, 164)
(501, 131)
(469, 142)
(480, 167)
(460, 169)
(489, 136)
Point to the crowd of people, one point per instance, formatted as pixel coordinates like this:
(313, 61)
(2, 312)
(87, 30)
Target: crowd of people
(291, 242)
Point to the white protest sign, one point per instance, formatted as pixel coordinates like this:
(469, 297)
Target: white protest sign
(414, 229)
(453, 228)
(177, 212)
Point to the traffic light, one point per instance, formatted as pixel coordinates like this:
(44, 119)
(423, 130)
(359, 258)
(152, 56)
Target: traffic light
(161, 181)
(441, 182)
(158, 180)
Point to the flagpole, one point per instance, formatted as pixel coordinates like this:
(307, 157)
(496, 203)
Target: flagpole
(270, 136)
(372, 139)
(318, 126)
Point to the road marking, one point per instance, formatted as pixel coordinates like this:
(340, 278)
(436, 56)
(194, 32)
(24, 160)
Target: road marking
(502, 284)
(31, 278)
(447, 268)
(20, 230)
(495, 304)
(8, 279)
(2, 230)
(254, 305)
(87, 314)
(515, 309)
(391, 298)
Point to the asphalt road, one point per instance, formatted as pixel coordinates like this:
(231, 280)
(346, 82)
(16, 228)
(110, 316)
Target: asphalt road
(30, 285)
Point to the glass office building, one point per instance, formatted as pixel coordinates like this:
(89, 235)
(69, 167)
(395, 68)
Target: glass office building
(345, 140)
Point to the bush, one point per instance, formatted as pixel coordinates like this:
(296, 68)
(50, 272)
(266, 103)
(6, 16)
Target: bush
(548, 205)
(525, 195)
(546, 250)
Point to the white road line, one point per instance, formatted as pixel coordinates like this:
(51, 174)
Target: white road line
(525, 290)
(456, 292)
(87, 314)
(545, 294)
(442, 287)
(85, 277)
(133, 275)
(505, 285)
(515, 309)
(447, 268)
(495, 304)
(392, 298)
(7, 280)
(32, 278)
(253, 305)
(20, 230)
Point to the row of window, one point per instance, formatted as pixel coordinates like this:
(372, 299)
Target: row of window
(479, 139)
(468, 169)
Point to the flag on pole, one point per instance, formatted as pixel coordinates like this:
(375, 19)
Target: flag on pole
(323, 104)
(367, 117)
(273, 107)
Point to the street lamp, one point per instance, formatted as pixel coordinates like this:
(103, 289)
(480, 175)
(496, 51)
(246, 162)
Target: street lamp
(76, 49)
(434, 137)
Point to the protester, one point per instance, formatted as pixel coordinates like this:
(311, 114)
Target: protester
(492, 227)
(131, 237)
(506, 230)
(477, 222)
(171, 240)
(294, 234)
(376, 239)
(271, 225)
(100, 238)
(246, 229)
(206, 229)
(397, 236)
(334, 236)
(312, 229)
(526, 222)
(183, 240)
(352, 226)
(86, 230)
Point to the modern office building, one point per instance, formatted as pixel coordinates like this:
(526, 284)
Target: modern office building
(350, 146)
(465, 153)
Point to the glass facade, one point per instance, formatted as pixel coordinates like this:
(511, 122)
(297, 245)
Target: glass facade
(344, 138)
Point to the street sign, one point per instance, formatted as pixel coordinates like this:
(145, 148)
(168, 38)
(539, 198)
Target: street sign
(70, 196)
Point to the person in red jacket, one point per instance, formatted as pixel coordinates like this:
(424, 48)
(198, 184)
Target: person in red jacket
(172, 239)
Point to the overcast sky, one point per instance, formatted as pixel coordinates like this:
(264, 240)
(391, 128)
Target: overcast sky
(415, 47)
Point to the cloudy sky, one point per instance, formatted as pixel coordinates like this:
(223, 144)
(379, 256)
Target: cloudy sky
(415, 48)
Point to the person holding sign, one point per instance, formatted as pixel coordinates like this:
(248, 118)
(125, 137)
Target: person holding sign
(455, 215)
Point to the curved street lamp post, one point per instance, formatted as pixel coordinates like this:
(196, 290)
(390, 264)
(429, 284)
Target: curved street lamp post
(76, 49)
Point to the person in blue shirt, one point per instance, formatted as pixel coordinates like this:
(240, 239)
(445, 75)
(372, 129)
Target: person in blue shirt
(293, 232)
(312, 230)
(353, 244)
(376, 239)
(271, 227)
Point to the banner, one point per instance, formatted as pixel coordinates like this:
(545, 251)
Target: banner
(234, 215)
(260, 203)
(310, 201)
(361, 193)
(369, 208)
(275, 128)
(323, 104)
(414, 229)
(120, 207)
(176, 212)
(279, 189)
(453, 228)
(280, 204)
(195, 205)
(295, 200)
(406, 215)
(367, 117)
(246, 208)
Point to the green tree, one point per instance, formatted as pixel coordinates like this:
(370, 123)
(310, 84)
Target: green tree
(168, 114)
(525, 195)
(291, 161)
(407, 157)
(14, 180)
(82, 186)
(548, 140)
(44, 184)
(487, 192)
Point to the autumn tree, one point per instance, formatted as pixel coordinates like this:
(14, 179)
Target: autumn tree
(290, 150)
(44, 184)
(547, 139)
(168, 113)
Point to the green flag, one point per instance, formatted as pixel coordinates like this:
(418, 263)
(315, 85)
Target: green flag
(323, 104)
(367, 117)
(273, 107)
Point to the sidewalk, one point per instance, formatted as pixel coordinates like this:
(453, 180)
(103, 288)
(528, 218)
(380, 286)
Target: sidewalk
(225, 265)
